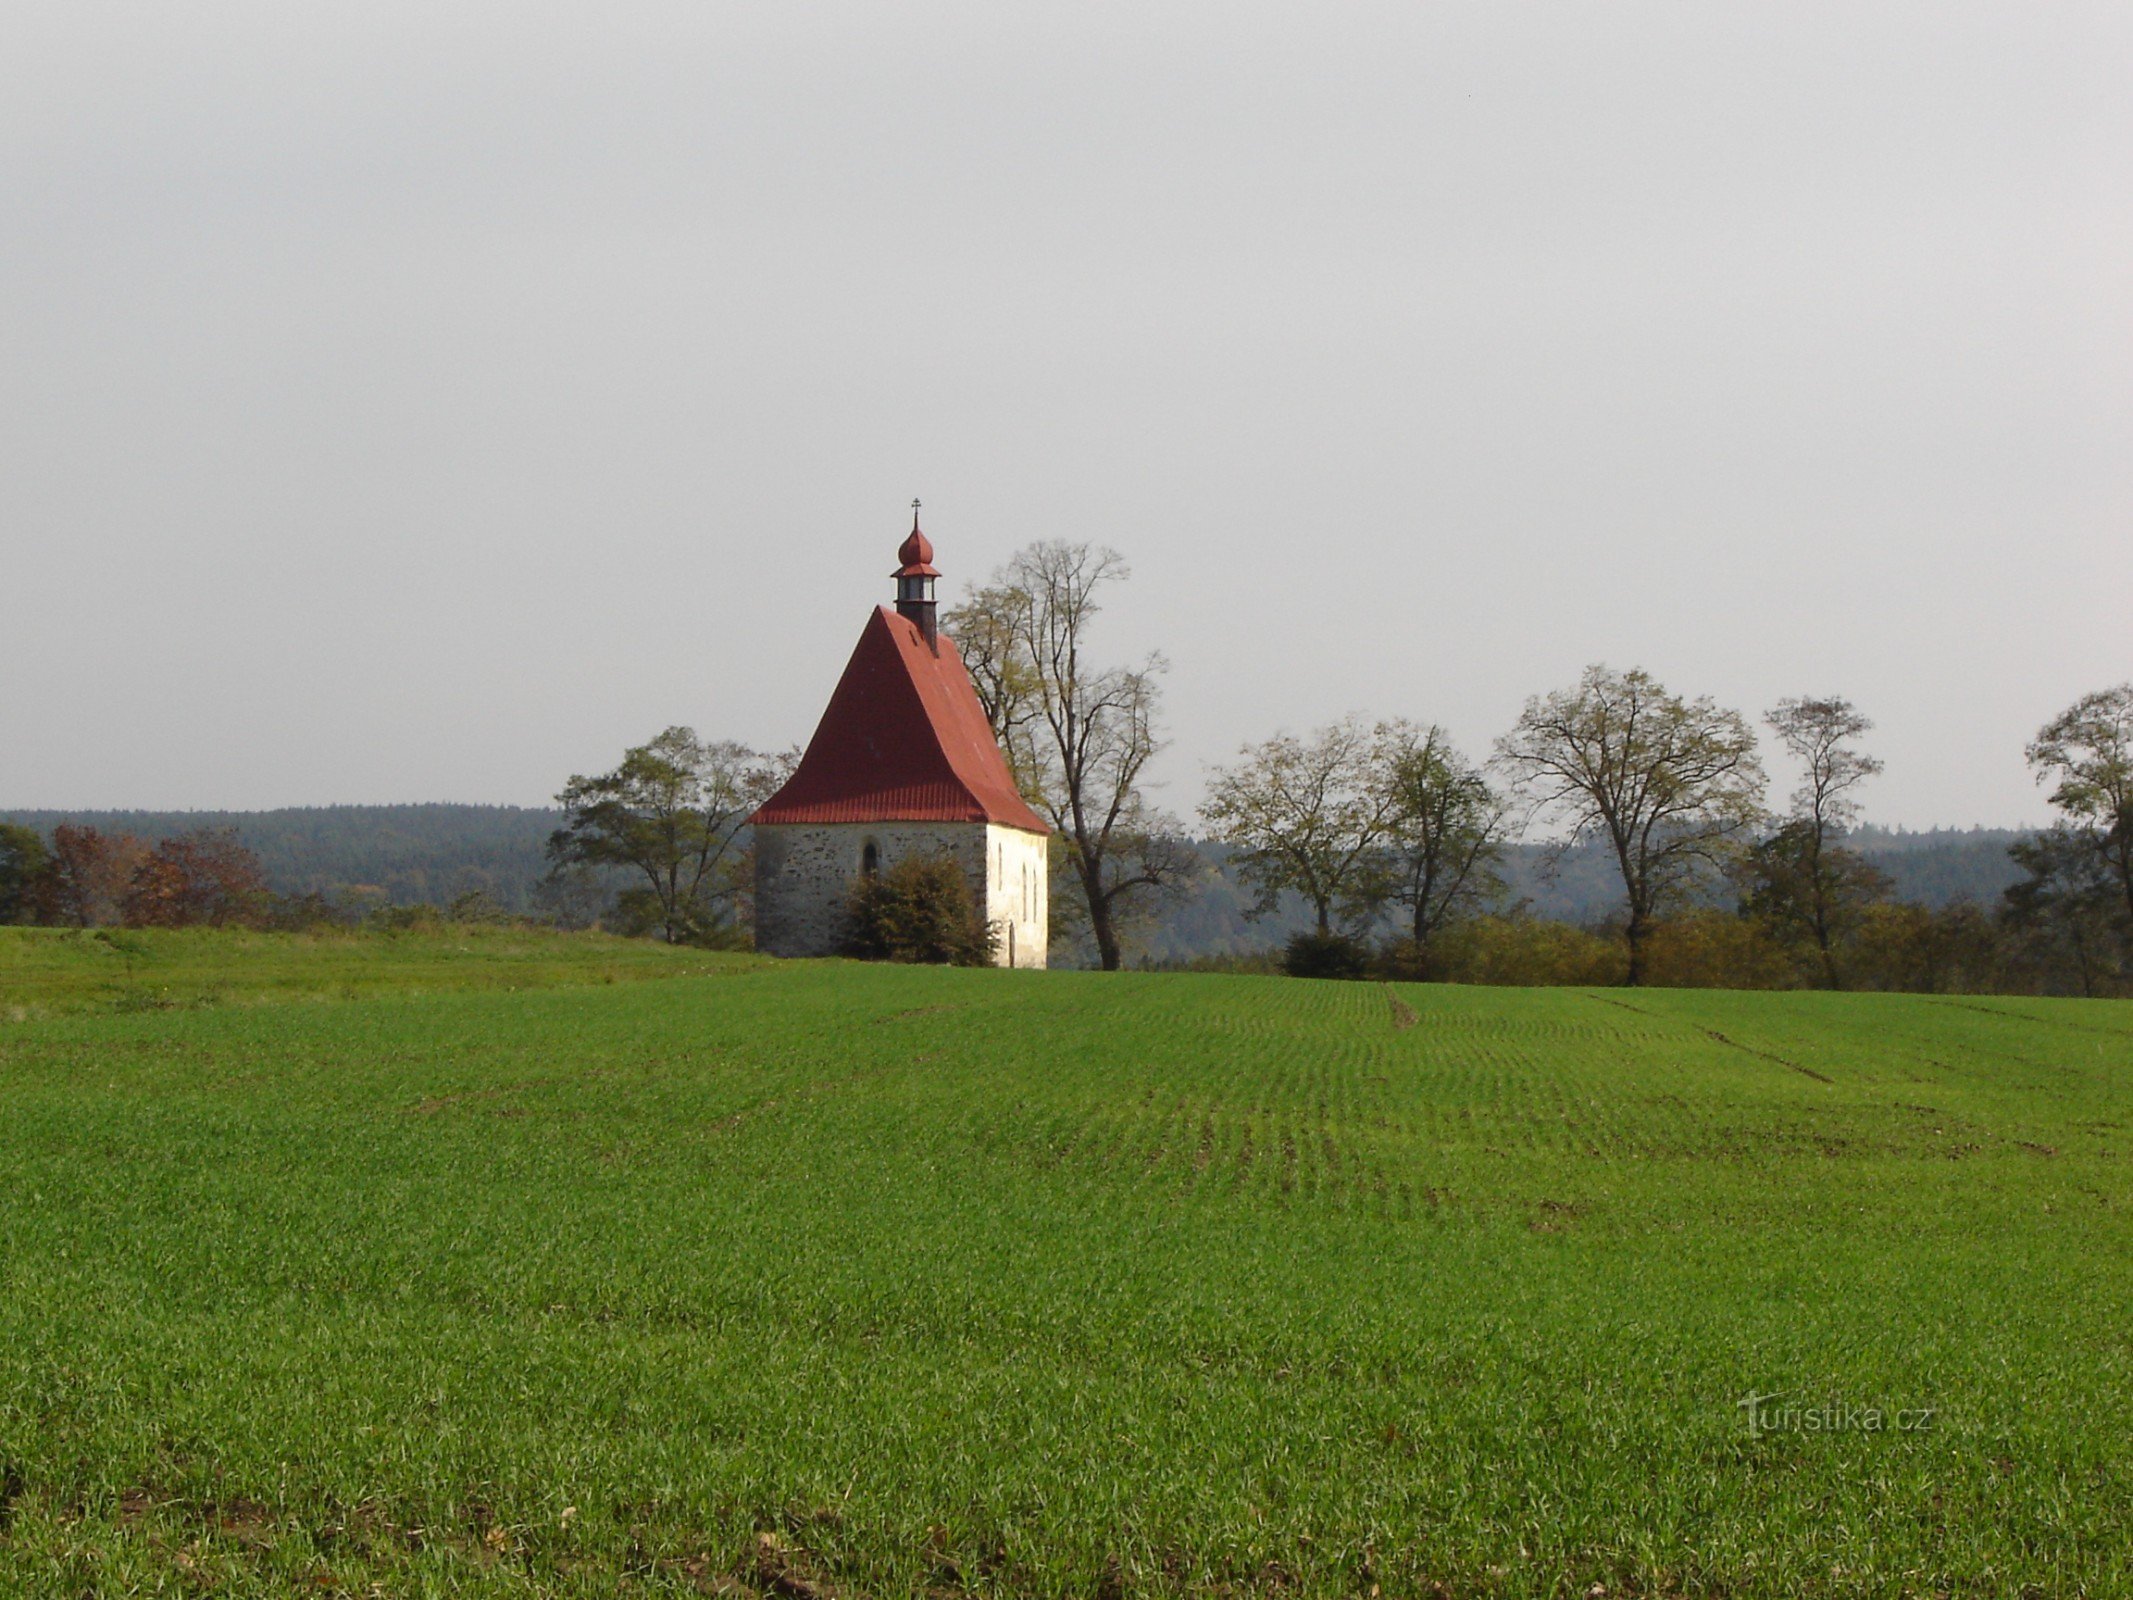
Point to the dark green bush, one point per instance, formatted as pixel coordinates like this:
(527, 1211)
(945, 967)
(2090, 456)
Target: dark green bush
(918, 910)
(1325, 955)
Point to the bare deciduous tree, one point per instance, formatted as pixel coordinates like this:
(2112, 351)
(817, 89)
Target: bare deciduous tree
(1079, 737)
(1669, 784)
(989, 628)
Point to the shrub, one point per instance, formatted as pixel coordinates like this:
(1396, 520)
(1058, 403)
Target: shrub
(1717, 950)
(1325, 955)
(418, 917)
(476, 906)
(1526, 950)
(311, 912)
(918, 910)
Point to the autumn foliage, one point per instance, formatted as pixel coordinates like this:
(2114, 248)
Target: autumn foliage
(202, 879)
(88, 878)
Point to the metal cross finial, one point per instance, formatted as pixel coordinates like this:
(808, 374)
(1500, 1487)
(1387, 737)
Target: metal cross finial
(914, 516)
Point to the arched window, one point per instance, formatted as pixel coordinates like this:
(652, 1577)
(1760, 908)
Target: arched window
(870, 859)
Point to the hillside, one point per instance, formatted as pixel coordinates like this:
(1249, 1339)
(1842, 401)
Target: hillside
(820, 1278)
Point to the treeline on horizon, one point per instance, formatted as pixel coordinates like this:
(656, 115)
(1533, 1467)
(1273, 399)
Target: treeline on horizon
(432, 853)
(1356, 849)
(352, 864)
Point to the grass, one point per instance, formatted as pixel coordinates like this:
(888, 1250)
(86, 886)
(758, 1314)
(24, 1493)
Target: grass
(830, 1279)
(47, 971)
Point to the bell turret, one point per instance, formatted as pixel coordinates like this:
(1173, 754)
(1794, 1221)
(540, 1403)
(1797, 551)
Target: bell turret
(915, 578)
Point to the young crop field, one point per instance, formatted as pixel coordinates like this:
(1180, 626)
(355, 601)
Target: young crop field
(43, 972)
(448, 1267)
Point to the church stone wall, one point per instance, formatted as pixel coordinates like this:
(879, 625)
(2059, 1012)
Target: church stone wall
(804, 874)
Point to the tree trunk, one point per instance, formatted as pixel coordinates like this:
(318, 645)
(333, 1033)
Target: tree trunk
(1424, 966)
(1639, 917)
(1820, 885)
(2125, 859)
(1102, 928)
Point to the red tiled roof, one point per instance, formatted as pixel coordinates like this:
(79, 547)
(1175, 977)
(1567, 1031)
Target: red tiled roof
(904, 739)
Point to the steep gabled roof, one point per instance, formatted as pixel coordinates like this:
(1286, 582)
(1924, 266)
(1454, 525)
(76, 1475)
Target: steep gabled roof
(904, 740)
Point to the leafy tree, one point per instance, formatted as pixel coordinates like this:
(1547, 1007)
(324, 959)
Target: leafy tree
(1445, 833)
(1803, 884)
(1079, 737)
(1310, 816)
(205, 878)
(919, 909)
(670, 813)
(2068, 908)
(84, 882)
(22, 864)
(1809, 892)
(1669, 784)
(2086, 753)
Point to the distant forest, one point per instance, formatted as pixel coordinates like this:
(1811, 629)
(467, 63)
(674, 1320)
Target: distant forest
(435, 854)
(397, 855)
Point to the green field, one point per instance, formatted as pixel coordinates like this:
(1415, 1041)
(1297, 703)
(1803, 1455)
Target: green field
(450, 1264)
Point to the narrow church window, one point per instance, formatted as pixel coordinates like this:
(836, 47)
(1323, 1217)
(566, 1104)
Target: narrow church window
(870, 859)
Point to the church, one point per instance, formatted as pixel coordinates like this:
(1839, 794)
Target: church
(903, 763)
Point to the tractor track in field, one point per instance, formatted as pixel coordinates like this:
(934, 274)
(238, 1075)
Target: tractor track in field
(2006, 1015)
(1720, 1038)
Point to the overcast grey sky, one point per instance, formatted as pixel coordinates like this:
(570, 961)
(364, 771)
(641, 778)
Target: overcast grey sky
(423, 401)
